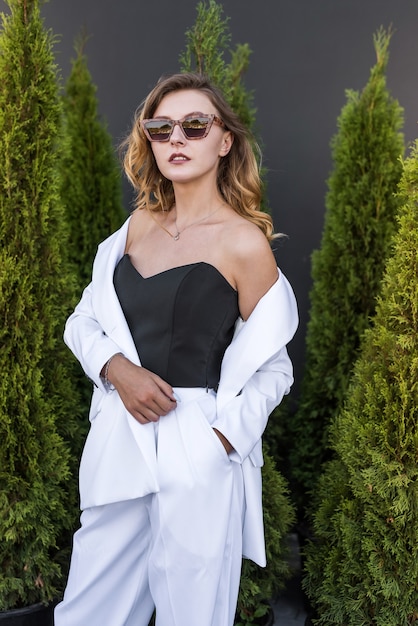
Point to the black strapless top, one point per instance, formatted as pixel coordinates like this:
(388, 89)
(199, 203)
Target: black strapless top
(181, 320)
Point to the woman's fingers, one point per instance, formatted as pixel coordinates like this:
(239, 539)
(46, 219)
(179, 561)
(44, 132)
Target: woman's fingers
(145, 395)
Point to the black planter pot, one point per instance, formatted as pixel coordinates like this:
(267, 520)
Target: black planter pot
(34, 615)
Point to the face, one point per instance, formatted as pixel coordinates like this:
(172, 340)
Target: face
(183, 160)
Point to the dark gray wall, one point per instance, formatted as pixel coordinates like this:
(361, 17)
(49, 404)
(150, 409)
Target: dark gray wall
(305, 54)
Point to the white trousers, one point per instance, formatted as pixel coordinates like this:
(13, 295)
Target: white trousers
(179, 550)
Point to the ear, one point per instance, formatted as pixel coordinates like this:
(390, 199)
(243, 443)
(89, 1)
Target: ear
(227, 141)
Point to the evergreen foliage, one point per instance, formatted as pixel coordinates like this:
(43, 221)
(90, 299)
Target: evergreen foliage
(359, 224)
(207, 43)
(363, 567)
(36, 400)
(91, 189)
(91, 182)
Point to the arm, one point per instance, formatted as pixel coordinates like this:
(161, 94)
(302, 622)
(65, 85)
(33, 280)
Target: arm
(87, 340)
(254, 272)
(256, 370)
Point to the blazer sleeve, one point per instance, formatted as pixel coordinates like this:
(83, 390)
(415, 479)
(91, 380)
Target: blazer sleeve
(88, 341)
(244, 418)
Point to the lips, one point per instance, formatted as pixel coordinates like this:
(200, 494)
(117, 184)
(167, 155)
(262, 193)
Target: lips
(178, 157)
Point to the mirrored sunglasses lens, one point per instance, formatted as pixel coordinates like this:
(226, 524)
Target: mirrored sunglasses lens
(159, 130)
(195, 127)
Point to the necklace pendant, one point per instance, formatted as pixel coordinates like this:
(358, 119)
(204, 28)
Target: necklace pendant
(176, 236)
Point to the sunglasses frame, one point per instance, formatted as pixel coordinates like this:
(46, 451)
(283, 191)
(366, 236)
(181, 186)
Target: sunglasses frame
(211, 117)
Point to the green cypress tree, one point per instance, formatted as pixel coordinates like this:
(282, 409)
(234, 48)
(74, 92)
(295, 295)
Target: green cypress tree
(90, 189)
(208, 41)
(363, 567)
(359, 223)
(37, 403)
(91, 182)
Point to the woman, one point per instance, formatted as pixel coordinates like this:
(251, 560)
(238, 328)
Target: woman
(183, 331)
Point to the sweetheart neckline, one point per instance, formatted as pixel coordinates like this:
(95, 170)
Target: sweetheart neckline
(170, 269)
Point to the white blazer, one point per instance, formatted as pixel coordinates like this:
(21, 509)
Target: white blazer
(119, 459)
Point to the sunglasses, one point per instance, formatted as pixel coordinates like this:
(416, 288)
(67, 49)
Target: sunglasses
(193, 127)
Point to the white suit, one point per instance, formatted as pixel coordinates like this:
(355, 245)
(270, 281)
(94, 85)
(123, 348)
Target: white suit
(119, 462)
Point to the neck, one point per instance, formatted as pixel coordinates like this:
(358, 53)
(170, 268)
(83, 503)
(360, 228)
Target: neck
(194, 204)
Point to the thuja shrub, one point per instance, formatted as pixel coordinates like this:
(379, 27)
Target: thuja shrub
(36, 399)
(91, 182)
(91, 189)
(363, 567)
(361, 208)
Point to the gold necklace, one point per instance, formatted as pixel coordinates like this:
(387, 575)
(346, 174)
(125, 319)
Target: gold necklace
(176, 237)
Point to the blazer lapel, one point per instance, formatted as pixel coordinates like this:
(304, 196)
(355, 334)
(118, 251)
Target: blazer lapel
(106, 303)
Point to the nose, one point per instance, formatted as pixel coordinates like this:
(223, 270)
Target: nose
(177, 135)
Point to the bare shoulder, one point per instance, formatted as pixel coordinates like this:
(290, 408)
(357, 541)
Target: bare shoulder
(252, 262)
(139, 223)
(246, 245)
(247, 238)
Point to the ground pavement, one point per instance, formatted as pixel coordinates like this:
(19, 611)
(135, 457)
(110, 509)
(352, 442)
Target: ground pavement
(289, 606)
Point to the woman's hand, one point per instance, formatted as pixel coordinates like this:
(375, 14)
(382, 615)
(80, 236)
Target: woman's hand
(145, 395)
(228, 447)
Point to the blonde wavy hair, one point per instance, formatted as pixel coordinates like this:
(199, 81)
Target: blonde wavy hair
(238, 175)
